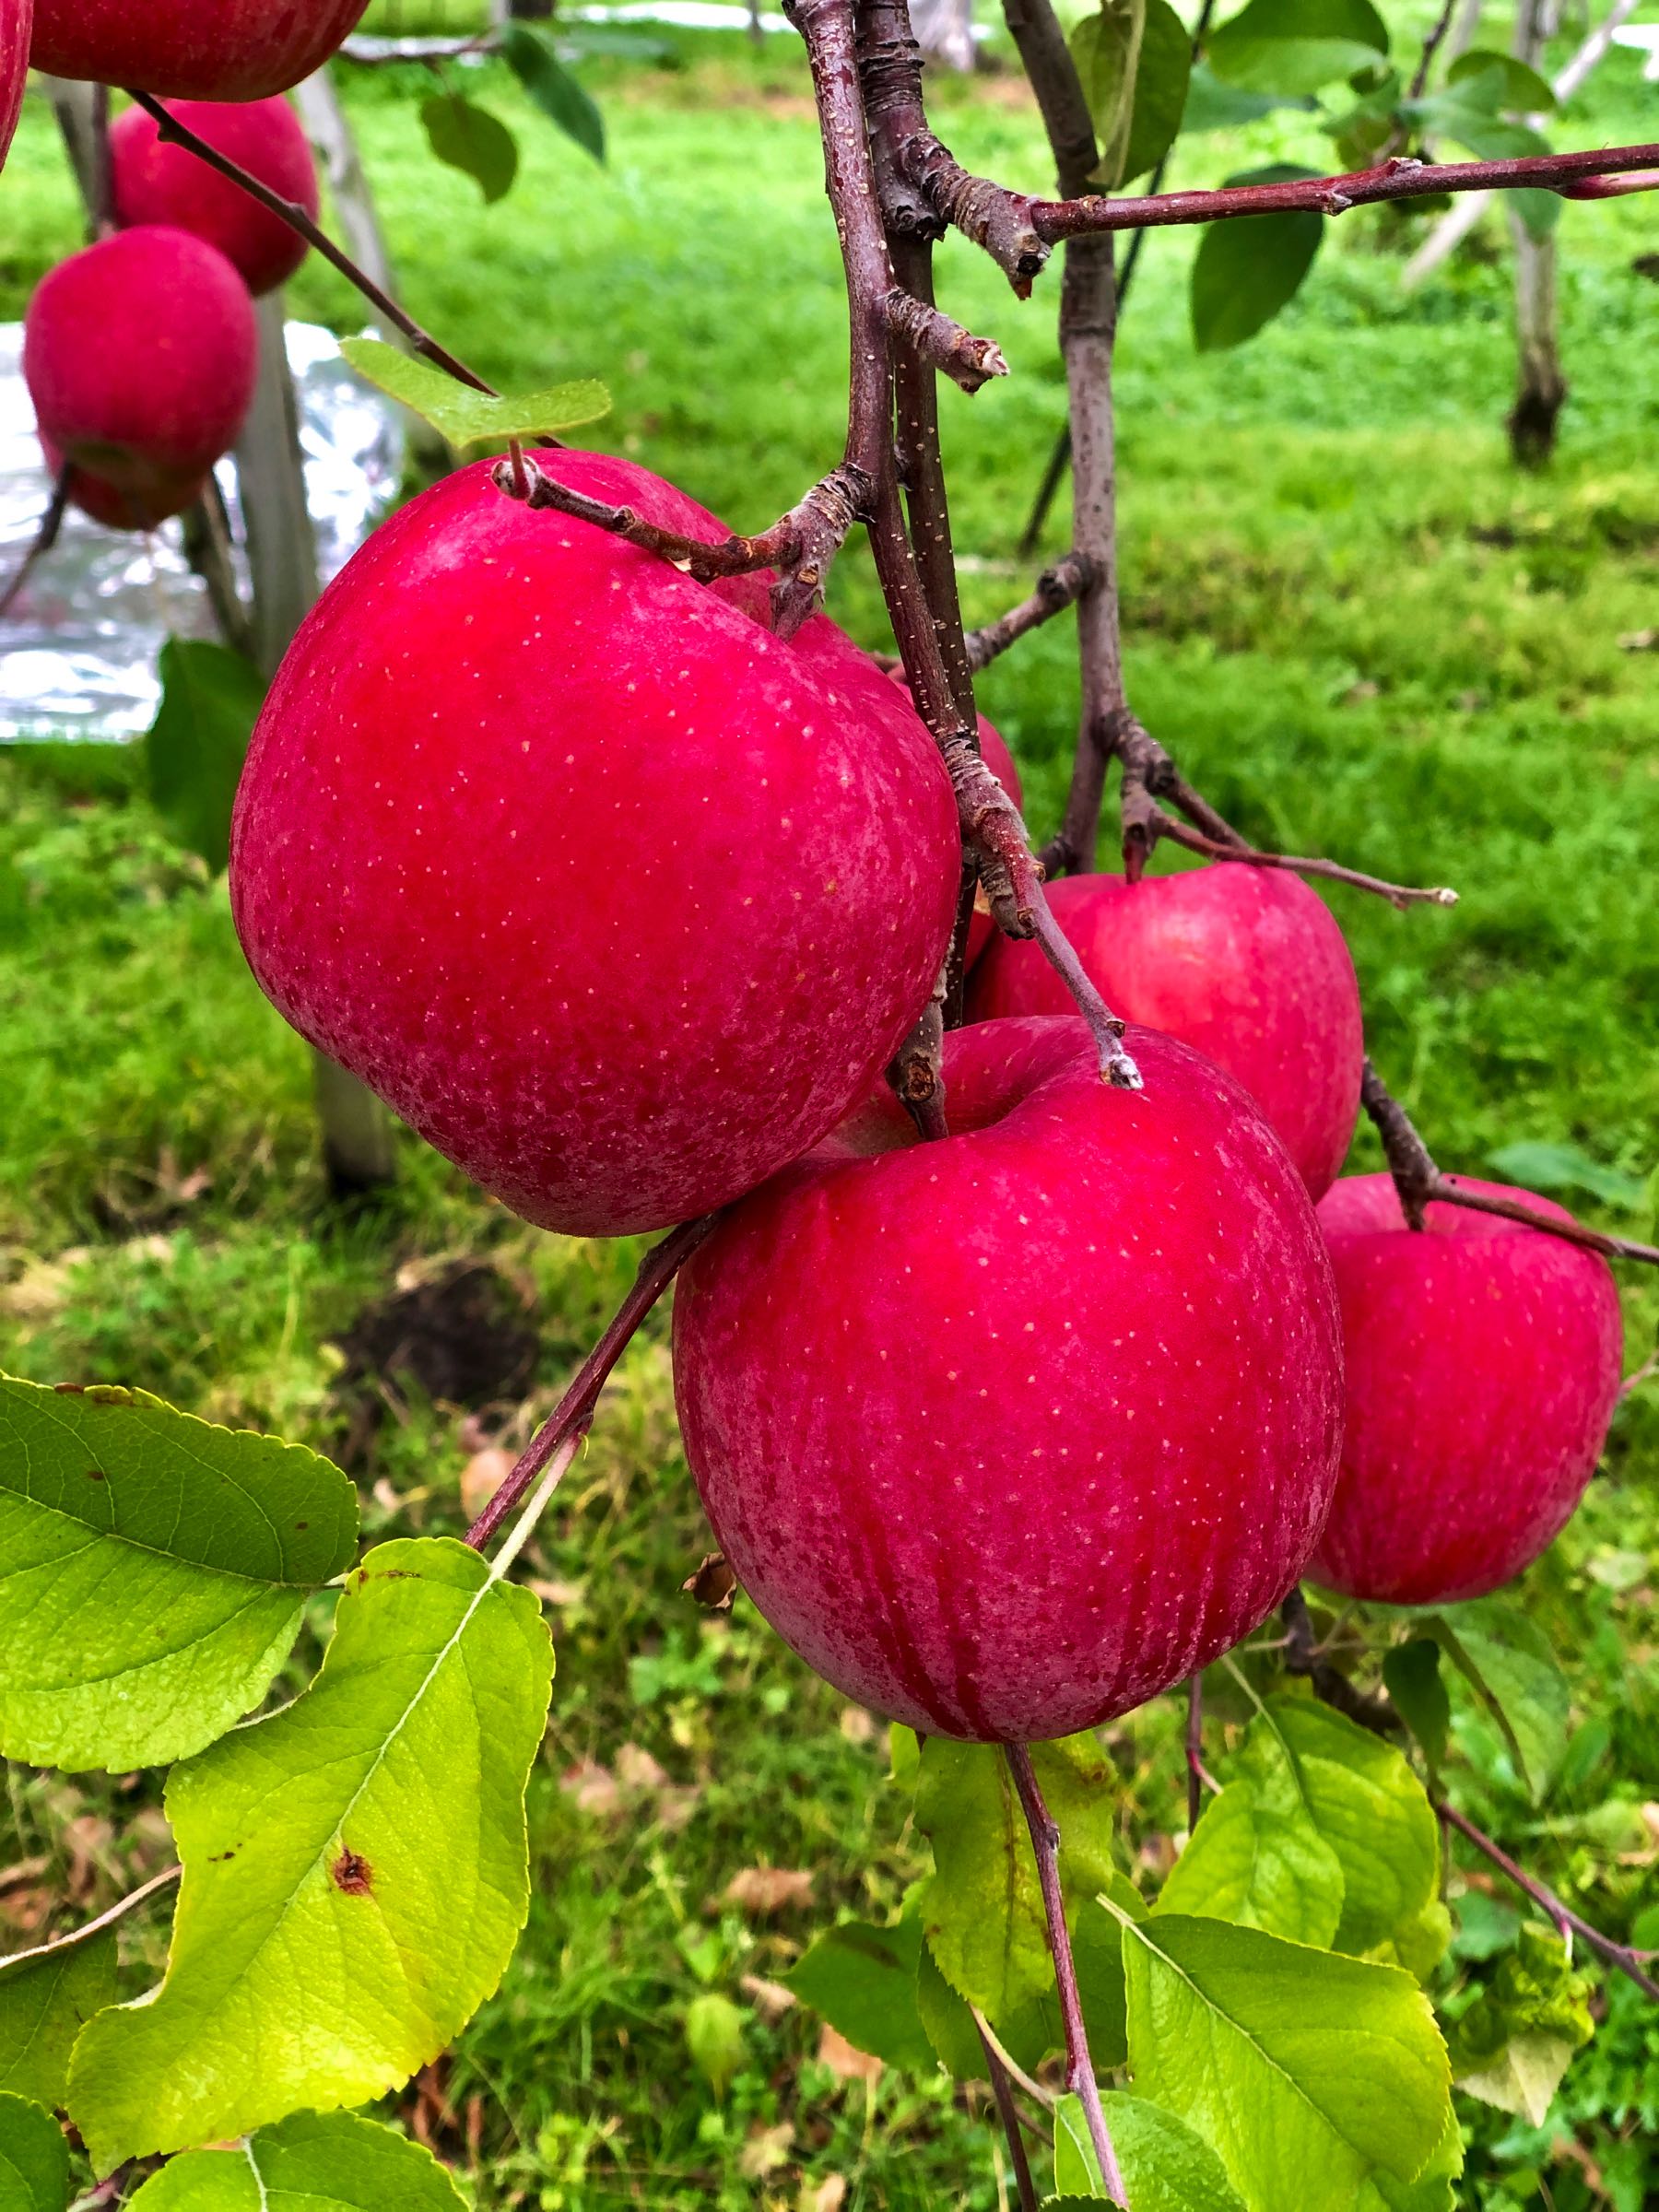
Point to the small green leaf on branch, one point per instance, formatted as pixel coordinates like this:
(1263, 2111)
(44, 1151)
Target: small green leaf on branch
(1105, 49)
(1306, 2072)
(1297, 46)
(1507, 1660)
(863, 1980)
(1161, 80)
(469, 139)
(465, 416)
(317, 2161)
(46, 1999)
(1519, 88)
(1514, 2044)
(530, 52)
(1249, 268)
(154, 1572)
(194, 748)
(1545, 1167)
(1411, 1675)
(34, 2159)
(1165, 2167)
(356, 1869)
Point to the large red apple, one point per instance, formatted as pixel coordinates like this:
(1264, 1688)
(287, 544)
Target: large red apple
(155, 182)
(140, 354)
(192, 49)
(1244, 963)
(1483, 1367)
(617, 897)
(15, 23)
(1006, 1432)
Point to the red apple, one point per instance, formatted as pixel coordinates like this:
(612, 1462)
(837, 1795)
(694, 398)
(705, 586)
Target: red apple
(121, 509)
(15, 23)
(140, 354)
(162, 184)
(1483, 1367)
(191, 49)
(1006, 1432)
(617, 897)
(1244, 963)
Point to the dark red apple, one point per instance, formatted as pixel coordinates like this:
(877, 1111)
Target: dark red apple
(121, 509)
(1483, 1367)
(17, 20)
(617, 897)
(1246, 964)
(140, 354)
(1006, 1432)
(155, 182)
(191, 49)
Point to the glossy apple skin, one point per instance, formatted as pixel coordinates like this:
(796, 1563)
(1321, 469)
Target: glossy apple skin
(1483, 1367)
(17, 20)
(191, 49)
(140, 354)
(1007, 1432)
(1245, 964)
(616, 897)
(159, 183)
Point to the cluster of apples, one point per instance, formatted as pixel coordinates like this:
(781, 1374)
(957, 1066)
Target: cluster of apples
(624, 902)
(141, 351)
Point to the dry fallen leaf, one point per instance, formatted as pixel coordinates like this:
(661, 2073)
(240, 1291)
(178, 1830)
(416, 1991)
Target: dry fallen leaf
(713, 1585)
(636, 1769)
(766, 2150)
(767, 1890)
(482, 1476)
(843, 2061)
(769, 1999)
(856, 1724)
(827, 2195)
(593, 1787)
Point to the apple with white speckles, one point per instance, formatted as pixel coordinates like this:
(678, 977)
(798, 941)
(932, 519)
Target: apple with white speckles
(1483, 1364)
(1008, 1432)
(1245, 963)
(619, 899)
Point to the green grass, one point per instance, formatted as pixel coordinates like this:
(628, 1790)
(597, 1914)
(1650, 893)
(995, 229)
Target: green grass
(1360, 632)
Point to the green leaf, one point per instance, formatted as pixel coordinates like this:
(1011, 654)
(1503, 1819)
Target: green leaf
(46, 1998)
(1098, 1957)
(1433, 2190)
(1256, 1858)
(982, 1908)
(194, 748)
(154, 1572)
(904, 1757)
(1076, 2164)
(1513, 2045)
(465, 416)
(530, 52)
(946, 2021)
(1213, 106)
(312, 2163)
(34, 2159)
(471, 139)
(1540, 212)
(1250, 267)
(1519, 88)
(1305, 2071)
(1541, 1167)
(1161, 79)
(1105, 48)
(863, 1980)
(1507, 1660)
(714, 2037)
(356, 1868)
(1293, 46)
(1411, 1675)
(1165, 2167)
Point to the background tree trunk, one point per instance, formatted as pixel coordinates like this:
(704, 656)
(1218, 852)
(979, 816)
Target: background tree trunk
(944, 30)
(358, 1149)
(1540, 387)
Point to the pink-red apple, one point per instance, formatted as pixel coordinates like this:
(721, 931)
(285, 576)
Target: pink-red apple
(621, 899)
(191, 49)
(16, 19)
(117, 508)
(1008, 1432)
(140, 354)
(1483, 1367)
(156, 183)
(1244, 963)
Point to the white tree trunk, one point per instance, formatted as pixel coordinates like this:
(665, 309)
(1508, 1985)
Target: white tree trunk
(1540, 387)
(944, 30)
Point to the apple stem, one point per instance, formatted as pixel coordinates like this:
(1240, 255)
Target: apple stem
(1397, 894)
(916, 1071)
(1628, 1962)
(1057, 589)
(174, 133)
(1303, 1656)
(1079, 2066)
(45, 537)
(1001, 2089)
(1420, 1182)
(575, 1409)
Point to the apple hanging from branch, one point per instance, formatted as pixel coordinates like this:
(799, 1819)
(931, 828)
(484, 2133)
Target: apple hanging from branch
(154, 181)
(191, 49)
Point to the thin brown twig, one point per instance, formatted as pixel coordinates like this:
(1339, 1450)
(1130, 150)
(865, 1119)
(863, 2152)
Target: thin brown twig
(1331, 1685)
(45, 537)
(1079, 2066)
(1057, 588)
(574, 1410)
(1628, 1962)
(1421, 1184)
(1001, 2089)
(1431, 46)
(175, 133)
(1401, 895)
